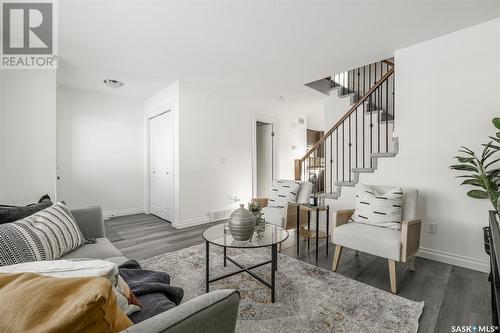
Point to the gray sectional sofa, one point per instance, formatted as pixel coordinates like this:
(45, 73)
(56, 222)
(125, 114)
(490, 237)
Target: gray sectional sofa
(216, 311)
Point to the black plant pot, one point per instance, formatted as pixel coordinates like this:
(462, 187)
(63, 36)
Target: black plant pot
(486, 235)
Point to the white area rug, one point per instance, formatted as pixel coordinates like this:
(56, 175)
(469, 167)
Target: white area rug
(309, 298)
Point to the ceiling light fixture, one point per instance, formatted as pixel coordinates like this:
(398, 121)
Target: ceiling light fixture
(113, 83)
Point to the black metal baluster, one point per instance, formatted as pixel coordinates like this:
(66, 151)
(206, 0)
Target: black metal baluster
(343, 83)
(358, 93)
(323, 163)
(377, 93)
(393, 102)
(371, 128)
(304, 170)
(369, 80)
(364, 80)
(314, 170)
(331, 163)
(375, 75)
(363, 133)
(337, 159)
(350, 145)
(348, 82)
(387, 115)
(343, 151)
(356, 137)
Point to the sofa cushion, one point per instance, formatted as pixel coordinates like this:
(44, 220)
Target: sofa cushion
(13, 213)
(382, 242)
(45, 235)
(274, 215)
(101, 249)
(379, 209)
(35, 303)
(283, 192)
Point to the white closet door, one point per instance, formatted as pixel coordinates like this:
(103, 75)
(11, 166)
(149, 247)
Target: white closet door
(161, 166)
(264, 160)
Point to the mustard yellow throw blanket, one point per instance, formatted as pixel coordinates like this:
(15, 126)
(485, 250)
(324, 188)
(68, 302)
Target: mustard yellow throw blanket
(32, 303)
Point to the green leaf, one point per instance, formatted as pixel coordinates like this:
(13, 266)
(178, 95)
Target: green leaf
(486, 150)
(463, 167)
(477, 194)
(473, 182)
(467, 176)
(496, 123)
(466, 150)
(488, 155)
(487, 165)
(462, 159)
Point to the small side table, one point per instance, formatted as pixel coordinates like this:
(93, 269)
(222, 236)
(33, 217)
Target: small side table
(314, 233)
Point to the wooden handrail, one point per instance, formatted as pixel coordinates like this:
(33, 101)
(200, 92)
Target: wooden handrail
(388, 62)
(348, 113)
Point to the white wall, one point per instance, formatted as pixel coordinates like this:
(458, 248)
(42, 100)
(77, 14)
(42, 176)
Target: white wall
(316, 120)
(100, 151)
(27, 135)
(446, 95)
(214, 143)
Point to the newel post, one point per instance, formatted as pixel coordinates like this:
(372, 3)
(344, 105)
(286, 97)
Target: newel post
(298, 170)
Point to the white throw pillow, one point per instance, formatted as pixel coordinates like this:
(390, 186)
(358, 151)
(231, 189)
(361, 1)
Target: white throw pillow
(283, 192)
(378, 209)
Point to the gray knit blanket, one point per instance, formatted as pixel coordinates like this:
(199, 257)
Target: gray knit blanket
(152, 289)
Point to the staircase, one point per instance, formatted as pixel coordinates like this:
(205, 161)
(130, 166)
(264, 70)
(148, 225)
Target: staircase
(362, 136)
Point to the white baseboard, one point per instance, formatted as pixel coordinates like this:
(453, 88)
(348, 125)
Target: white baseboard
(453, 259)
(191, 222)
(122, 212)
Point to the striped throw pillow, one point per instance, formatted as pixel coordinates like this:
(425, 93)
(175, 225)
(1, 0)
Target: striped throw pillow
(283, 192)
(46, 235)
(378, 209)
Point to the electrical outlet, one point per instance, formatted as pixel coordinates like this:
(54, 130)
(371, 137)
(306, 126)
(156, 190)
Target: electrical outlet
(432, 228)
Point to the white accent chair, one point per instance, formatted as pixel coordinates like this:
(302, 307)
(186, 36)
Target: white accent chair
(395, 245)
(286, 217)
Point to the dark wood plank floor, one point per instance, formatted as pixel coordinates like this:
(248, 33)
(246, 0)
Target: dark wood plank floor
(452, 295)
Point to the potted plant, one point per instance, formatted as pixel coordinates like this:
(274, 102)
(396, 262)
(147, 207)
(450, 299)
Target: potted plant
(256, 209)
(484, 173)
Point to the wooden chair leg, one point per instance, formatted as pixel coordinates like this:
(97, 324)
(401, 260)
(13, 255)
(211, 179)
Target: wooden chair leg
(356, 253)
(336, 257)
(392, 275)
(411, 263)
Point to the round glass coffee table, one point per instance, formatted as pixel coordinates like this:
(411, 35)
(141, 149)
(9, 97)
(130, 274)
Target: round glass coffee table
(268, 235)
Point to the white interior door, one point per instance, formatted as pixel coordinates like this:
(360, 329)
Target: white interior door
(264, 159)
(161, 162)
